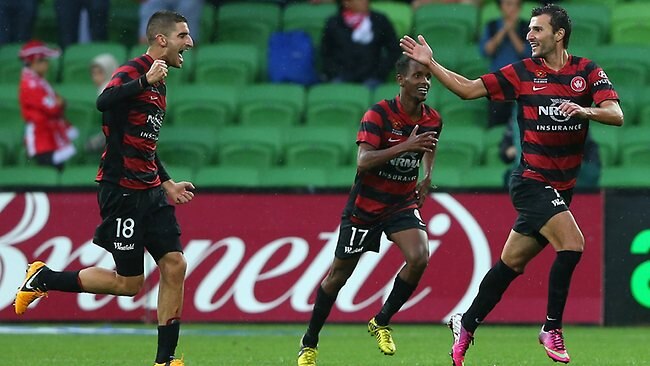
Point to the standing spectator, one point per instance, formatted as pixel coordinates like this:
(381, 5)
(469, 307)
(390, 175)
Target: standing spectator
(190, 8)
(504, 42)
(17, 20)
(134, 191)
(47, 134)
(68, 14)
(359, 45)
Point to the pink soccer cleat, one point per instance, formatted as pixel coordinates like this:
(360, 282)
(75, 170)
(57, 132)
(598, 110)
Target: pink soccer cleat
(553, 342)
(462, 339)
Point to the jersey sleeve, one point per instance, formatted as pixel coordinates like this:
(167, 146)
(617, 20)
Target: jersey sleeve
(601, 88)
(504, 84)
(370, 130)
(126, 82)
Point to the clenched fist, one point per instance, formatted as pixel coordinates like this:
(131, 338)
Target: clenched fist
(157, 72)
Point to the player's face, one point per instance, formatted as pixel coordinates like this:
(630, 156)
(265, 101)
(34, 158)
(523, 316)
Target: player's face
(416, 83)
(540, 36)
(177, 42)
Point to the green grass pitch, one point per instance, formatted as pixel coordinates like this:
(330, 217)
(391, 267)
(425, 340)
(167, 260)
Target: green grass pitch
(349, 345)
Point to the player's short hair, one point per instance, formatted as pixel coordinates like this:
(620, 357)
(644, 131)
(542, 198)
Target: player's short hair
(559, 19)
(402, 64)
(163, 22)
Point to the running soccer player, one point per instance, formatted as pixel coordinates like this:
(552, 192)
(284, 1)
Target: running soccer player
(134, 190)
(555, 92)
(394, 138)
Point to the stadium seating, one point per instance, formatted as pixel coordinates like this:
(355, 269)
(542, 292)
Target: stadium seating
(471, 63)
(631, 23)
(45, 25)
(180, 146)
(293, 177)
(247, 22)
(626, 65)
(340, 104)
(643, 116)
(459, 146)
(9, 107)
(630, 98)
(447, 24)
(445, 177)
(308, 17)
(607, 138)
(23, 177)
(341, 177)
(202, 105)
(635, 149)
(80, 109)
(590, 23)
(491, 139)
(230, 64)
(79, 176)
(399, 14)
(483, 177)
(317, 146)
(625, 177)
(280, 105)
(11, 139)
(458, 112)
(77, 59)
(227, 176)
(124, 22)
(249, 146)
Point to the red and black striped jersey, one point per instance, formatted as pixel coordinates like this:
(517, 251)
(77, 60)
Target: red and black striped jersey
(133, 113)
(552, 144)
(389, 188)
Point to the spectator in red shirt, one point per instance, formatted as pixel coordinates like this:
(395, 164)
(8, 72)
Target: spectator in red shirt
(48, 134)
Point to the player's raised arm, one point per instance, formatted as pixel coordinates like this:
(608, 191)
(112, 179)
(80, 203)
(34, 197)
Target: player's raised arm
(458, 84)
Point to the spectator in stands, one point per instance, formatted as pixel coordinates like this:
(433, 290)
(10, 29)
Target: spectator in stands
(191, 9)
(510, 153)
(48, 134)
(101, 70)
(17, 20)
(358, 45)
(504, 42)
(68, 14)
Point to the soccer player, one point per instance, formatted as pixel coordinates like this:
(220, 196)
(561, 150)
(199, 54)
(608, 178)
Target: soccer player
(555, 91)
(134, 190)
(394, 138)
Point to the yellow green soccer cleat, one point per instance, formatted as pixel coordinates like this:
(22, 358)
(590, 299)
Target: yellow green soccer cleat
(29, 291)
(307, 356)
(384, 338)
(174, 362)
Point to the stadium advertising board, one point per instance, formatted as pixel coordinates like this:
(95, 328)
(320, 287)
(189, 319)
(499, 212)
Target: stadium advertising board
(627, 258)
(261, 257)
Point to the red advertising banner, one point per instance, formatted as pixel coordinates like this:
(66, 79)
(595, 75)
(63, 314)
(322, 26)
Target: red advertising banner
(261, 257)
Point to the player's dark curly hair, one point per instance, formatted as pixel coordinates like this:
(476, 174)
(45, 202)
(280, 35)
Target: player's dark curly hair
(402, 64)
(163, 22)
(559, 19)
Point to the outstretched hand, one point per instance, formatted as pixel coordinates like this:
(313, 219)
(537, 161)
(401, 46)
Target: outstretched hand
(420, 52)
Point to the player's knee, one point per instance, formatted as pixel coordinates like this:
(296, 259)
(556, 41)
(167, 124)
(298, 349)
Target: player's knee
(129, 286)
(418, 264)
(173, 265)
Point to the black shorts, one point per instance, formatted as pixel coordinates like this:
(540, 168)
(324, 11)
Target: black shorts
(135, 220)
(357, 239)
(536, 202)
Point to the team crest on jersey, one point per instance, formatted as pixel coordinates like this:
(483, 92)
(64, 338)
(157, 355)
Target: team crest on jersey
(578, 84)
(397, 124)
(540, 77)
